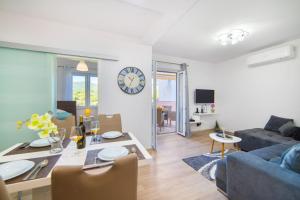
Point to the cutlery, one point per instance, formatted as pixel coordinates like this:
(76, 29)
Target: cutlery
(24, 145)
(31, 172)
(42, 164)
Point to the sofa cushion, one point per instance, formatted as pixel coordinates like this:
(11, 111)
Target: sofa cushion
(271, 152)
(286, 129)
(259, 138)
(295, 132)
(291, 159)
(275, 123)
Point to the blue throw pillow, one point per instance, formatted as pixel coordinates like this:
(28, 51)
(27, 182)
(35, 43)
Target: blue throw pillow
(290, 159)
(62, 115)
(275, 123)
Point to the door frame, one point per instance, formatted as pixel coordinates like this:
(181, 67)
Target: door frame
(154, 83)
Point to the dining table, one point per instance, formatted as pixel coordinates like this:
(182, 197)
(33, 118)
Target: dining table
(70, 156)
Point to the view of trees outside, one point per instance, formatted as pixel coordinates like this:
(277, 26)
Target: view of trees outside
(79, 92)
(94, 91)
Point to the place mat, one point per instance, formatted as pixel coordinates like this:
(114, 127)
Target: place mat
(92, 154)
(42, 174)
(125, 137)
(29, 149)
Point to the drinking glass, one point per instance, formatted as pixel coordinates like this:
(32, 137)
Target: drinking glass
(56, 140)
(95, 127)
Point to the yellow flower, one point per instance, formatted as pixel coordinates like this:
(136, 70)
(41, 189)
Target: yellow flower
(41, 123)
(44, 134)
(19, 124)
(34, 116)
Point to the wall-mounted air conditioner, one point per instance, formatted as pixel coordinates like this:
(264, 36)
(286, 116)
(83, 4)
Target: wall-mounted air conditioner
(273, 55)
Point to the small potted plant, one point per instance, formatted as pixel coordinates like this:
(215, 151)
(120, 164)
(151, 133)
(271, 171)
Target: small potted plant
(212, 108)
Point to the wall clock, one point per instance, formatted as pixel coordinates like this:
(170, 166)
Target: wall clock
(131, 80)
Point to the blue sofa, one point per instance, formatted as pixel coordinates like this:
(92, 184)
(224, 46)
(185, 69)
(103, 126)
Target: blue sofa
(257, 138)
(257, 175)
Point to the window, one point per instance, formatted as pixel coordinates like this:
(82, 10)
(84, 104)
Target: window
(93, 91)
(85, 89)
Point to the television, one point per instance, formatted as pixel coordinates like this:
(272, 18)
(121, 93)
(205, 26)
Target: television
(204, 96)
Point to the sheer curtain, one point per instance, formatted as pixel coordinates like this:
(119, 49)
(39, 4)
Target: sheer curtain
(67, 93)
(187, 108)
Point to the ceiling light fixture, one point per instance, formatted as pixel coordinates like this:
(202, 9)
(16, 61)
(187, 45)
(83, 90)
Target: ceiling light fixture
(232, 37)
(82, 66)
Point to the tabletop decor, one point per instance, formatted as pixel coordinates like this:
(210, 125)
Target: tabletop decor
(40, 123)
(46, 130)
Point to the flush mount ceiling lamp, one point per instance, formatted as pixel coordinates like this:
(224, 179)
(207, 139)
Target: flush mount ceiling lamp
(82, 66)
(232, 37)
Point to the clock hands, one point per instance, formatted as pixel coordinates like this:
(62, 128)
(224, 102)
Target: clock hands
(132, 79)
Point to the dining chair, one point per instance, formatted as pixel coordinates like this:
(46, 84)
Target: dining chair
(172, 117)
(167, 110)
(159, 117)
(67, 123)
(118, 182)
(3, 192)
(110, 123)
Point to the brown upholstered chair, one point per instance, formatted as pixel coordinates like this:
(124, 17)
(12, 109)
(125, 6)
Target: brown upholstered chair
(3, 192)
(172, 117)
(118, 183)
(68, 123)
(160, 117)
(110, 123)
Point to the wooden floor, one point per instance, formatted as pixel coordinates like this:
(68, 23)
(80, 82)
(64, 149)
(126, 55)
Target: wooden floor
(168, 177)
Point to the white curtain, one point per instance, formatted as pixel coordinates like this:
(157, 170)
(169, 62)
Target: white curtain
(68, 84)
(187, 108)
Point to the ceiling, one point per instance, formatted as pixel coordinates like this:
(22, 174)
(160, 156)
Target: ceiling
(194, 35)
(182, 28)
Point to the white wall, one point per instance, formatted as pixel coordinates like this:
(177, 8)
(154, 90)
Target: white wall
(201, 75)
(247, 96)
(136, 109)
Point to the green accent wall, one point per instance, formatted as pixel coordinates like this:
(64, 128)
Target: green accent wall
(27, 86)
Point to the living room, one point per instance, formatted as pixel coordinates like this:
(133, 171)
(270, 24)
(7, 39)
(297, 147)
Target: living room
(239, 142)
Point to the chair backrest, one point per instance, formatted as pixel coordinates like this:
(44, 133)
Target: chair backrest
(118, 182)
(110, 123)
(159, 116)
(3, 192)
(172, 116)
(66, 123)
(168, 108)
(69, 106)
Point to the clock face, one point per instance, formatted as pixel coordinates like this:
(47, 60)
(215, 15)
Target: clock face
(131, 80)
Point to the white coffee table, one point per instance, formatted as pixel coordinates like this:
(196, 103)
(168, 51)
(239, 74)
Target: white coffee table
(223, 141)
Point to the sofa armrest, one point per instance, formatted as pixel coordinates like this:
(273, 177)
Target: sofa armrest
(250, 177)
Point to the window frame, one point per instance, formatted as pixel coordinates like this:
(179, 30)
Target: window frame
(87, 78)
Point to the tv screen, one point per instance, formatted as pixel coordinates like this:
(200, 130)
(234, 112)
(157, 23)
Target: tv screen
(204, 96)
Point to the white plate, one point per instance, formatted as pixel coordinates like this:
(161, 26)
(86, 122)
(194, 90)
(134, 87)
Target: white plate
(112, 153)
(13, 169)
(43, 142)
(112, 134)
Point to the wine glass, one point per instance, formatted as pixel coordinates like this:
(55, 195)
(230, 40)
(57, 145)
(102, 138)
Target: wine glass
(95, 127)
(76, 136)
